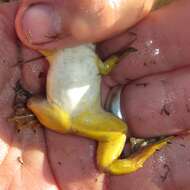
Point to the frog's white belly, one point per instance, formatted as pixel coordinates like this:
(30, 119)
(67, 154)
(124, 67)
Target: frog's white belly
(73, 81)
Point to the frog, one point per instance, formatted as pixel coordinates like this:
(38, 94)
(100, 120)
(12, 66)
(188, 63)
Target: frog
(73, 106)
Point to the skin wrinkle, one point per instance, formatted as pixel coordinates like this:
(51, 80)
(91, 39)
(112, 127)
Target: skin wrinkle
(109, 22)
(7, 34)
(25, 148)
(49, 160)
(11, 141)
(143, 31)
(168, 158)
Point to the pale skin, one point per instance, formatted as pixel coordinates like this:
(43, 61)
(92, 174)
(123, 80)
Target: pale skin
(64, 112)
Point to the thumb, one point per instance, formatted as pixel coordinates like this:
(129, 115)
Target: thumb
(46, 24)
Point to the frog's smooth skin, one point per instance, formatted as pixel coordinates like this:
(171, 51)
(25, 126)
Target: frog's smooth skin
(73, 106)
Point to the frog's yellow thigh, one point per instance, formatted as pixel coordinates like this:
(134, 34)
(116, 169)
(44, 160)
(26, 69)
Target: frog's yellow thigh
(110, 132)
(50, 115)
(101, 126)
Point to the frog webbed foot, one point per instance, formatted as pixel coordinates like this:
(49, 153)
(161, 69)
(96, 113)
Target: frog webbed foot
(50, 115)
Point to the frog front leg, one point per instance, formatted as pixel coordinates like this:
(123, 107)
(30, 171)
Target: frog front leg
(50, 115)
(111, 134)
(107, 66)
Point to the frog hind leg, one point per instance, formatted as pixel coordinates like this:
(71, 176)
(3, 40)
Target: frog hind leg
(110, 132)
(50, 115)
(137, 160)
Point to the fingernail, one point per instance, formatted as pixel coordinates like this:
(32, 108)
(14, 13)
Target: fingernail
(41, 23)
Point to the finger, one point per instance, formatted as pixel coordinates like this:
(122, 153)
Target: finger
(167, 169)
(50, 24)
(158, 105)
(34, 71)
(121, 43)
(26, 162)
(9, 74)
(162, 43)
(72, 161)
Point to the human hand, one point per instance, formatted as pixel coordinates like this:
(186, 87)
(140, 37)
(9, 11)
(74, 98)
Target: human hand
(32, 157)
(155, 98)
(35, 154)
(68, 23)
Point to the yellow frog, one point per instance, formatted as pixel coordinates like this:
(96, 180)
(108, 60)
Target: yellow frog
(73, 106)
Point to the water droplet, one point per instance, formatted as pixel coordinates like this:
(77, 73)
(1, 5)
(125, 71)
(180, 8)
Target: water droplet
(156, 52)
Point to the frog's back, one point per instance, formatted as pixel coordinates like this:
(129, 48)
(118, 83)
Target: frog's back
(73, 79)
